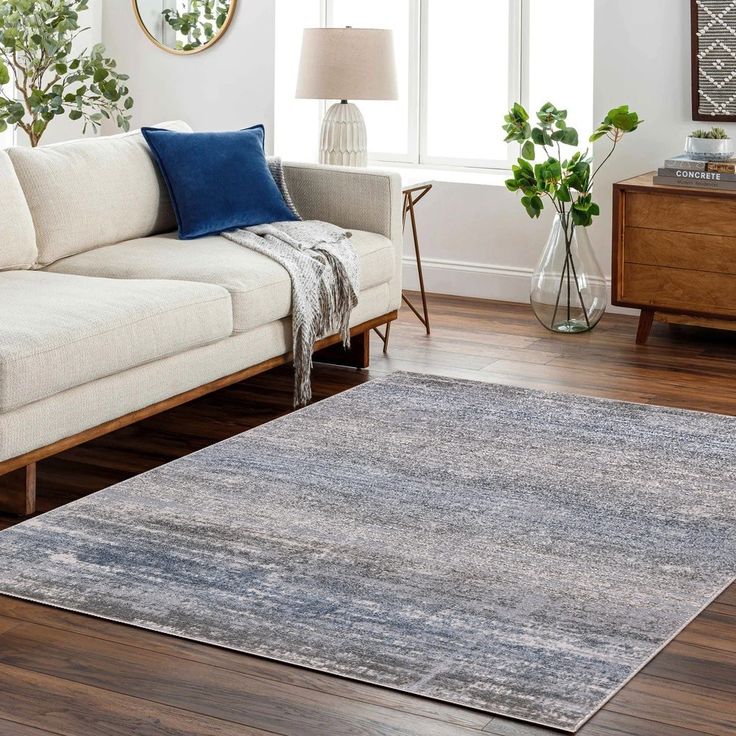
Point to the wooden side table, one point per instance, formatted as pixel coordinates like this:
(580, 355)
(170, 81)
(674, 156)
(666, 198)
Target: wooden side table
(674, 254)
(412, 195)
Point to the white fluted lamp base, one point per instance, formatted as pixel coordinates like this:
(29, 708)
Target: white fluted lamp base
(343, 141)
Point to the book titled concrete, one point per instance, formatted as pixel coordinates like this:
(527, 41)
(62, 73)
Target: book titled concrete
(689, 175)
(673, 181)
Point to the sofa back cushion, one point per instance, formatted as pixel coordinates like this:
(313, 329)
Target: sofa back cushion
(17, 237)
(91, 192)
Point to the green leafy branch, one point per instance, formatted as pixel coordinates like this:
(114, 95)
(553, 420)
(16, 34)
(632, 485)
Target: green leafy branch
(48, 80)
(566, 181)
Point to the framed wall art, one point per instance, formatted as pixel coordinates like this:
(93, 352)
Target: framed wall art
(714, 60)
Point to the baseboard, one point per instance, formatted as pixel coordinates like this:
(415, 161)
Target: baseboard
(479, 280)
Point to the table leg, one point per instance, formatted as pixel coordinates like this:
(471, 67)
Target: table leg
(409, 203)
(385, 336)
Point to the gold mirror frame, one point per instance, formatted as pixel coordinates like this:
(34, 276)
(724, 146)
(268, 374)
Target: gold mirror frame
(177, 52)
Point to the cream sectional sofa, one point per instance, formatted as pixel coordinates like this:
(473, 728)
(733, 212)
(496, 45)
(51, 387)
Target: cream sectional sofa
(106, 317)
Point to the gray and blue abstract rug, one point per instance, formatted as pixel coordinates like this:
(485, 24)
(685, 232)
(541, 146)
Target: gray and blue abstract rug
(515, 551)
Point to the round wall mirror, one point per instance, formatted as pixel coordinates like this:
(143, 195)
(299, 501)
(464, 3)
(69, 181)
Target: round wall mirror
(184, 26)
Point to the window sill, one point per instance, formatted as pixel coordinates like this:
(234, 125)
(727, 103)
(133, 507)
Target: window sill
(416, 175)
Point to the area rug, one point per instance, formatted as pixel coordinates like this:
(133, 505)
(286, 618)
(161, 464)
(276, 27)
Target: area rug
(514, 551)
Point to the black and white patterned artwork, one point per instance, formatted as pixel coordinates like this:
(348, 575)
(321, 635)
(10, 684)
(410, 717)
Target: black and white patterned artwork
(714, 60)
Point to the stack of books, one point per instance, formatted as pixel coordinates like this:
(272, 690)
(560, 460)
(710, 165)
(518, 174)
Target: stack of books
(683, 171)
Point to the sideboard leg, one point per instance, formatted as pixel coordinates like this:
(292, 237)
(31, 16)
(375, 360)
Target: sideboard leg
(18, 491)
(645, 326)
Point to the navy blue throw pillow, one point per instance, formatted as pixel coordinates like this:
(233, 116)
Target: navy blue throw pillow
(217, 181)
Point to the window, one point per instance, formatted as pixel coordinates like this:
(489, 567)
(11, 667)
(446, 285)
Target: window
(460, 65)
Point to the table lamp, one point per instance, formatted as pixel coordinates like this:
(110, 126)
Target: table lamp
(346, 64)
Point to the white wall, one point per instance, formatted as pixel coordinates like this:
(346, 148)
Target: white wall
(476, 240)
(642, 56)
(228, 86)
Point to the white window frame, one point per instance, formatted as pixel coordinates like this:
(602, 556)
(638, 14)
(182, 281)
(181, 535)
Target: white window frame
(518, 71)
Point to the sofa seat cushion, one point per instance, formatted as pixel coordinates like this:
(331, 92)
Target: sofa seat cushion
(59, 331)
(260, 288)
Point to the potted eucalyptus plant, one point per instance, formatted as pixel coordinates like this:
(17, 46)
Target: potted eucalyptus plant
(568, 292)
(43, 77)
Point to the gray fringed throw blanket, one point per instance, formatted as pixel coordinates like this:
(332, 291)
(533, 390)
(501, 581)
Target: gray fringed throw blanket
(324, 281)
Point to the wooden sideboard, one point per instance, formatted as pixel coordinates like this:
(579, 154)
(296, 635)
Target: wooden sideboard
(674, 253)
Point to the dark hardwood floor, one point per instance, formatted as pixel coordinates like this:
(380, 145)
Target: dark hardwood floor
(63, 673)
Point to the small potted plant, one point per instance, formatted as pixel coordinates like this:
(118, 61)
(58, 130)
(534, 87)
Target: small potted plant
(709, 145)
(568, 291)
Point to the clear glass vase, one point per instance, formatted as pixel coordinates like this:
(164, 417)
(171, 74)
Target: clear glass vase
(568, 287)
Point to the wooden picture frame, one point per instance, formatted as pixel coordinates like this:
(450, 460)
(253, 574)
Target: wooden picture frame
(716, 107)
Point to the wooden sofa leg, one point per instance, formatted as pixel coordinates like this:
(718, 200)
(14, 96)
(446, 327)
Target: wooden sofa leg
(357, 356)
(18, 491)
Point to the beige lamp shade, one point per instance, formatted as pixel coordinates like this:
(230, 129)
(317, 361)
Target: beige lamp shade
(347, 64)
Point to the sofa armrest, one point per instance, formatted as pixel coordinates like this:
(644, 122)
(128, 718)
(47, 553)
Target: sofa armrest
(352, 198)
(361, 199)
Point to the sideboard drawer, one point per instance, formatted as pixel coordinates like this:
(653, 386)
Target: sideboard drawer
(676, 288)
(680, 250)
(689, 214)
